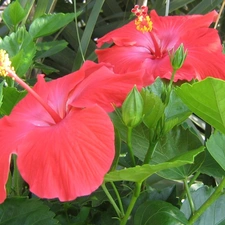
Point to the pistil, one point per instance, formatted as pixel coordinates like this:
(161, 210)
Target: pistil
(7, 70)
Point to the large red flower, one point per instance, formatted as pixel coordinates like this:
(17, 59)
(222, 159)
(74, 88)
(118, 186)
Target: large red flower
(65, 154)
(134, 49)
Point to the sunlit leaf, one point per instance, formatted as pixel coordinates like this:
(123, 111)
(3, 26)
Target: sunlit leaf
(206, 99)
(48, 24)
(216, 147)
(140, 173)
(13, 15)
(11, 96)
(21, 49)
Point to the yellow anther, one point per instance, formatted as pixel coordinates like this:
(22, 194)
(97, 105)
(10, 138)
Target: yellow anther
(5, 63)
(143, 22)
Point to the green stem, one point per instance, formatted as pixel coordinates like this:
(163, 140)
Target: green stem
(118, 212)
(77, 31)
(150, 152)
(191, 203)
(134, 198)
(169, 88)
(118, 198)
(216, 194)
(193, 179)
(129, 144)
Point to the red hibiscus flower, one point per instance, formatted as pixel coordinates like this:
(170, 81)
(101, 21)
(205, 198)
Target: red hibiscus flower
(149, 48)
(61, 132)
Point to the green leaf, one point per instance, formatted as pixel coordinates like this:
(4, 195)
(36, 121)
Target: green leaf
(214, 214)
(13, 15)
(159, 213)
(49, 24)
(206, 99)
(211, 167)
(176, 143)
(21, 49)
(175, 113)
(140, 173)
(45, 69)
(45, 49)
(25, 211)
(139, 136)
(216, 147)
(86, 37)
(11, 96)
(205, 6)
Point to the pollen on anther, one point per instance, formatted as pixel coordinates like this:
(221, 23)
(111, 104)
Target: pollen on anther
(143, 21)
(5, 63)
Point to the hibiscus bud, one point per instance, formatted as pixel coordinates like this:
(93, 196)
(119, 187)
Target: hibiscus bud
(132, 108)
(177, 57)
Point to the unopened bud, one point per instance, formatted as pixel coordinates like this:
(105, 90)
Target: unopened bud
(178, 57)
(132, 108)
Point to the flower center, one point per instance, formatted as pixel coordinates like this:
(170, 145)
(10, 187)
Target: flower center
(144, 24)
(143, 21)
(7, 70)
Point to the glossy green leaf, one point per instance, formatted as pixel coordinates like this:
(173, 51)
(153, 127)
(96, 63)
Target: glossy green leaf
(159, 213)
(13, 15)
(177, 142)
(25, 211)
(11, 96)
(48, 24)
(45, 49)
(206, 99)
(214, 214)
(216, 147)
(175, 113)
(21, 49)
(211, 167)
(140, 173)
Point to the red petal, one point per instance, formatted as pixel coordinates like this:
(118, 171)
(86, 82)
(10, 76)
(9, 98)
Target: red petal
(11, 134)
(105, 88)
(68, 159)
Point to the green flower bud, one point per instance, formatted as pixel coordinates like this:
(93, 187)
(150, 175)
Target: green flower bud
(177, 57)
(132, 108)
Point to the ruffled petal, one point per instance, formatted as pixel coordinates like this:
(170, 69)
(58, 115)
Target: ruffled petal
(68, 159)
(11, 135)
(104, 87)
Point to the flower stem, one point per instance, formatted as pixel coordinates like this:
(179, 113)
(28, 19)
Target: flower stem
(118, 212)
(150, 152)
(216, 194)
(118, 198)
(51, 112)
(134, 198)
(129, 144)
(191, 203)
